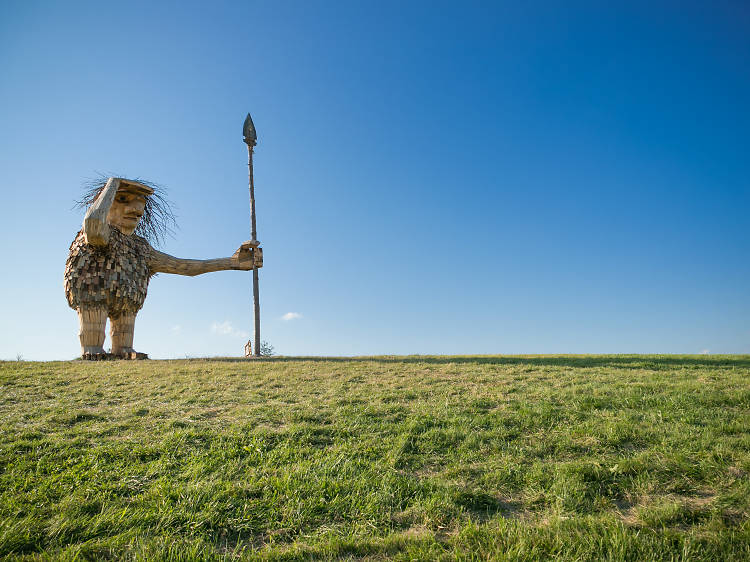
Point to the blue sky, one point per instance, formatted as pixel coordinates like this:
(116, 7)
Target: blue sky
(545, 177)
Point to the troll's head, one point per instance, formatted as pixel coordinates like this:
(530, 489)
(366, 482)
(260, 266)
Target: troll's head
(139, 206)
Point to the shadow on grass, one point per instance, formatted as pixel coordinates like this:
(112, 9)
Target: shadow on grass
(617, 361)
(485, 506)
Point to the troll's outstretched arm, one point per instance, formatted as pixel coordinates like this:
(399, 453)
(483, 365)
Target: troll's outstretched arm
(247, 257)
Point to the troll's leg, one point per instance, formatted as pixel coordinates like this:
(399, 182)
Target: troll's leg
(92, 322)
(121, 333)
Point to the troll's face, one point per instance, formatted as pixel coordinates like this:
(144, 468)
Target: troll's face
(127, 209)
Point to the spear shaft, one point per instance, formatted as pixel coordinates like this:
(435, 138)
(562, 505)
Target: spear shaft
(250, 139)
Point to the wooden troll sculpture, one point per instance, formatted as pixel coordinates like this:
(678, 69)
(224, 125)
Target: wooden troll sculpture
(111, 261)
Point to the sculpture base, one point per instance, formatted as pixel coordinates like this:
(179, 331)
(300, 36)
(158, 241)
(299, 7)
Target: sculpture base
(130, 356)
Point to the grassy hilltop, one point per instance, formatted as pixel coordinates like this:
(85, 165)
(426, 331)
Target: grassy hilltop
(577, 457)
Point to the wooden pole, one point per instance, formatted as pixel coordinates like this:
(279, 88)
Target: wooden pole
(250, 139)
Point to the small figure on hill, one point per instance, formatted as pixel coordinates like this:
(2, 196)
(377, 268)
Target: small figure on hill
(111, 261)
(266, 349)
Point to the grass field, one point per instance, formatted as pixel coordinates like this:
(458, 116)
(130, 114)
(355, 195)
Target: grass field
(517, 458)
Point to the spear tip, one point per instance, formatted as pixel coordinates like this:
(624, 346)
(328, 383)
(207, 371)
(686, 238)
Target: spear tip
(248, 131)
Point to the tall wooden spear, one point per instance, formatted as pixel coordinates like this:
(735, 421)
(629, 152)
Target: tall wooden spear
(250, 137)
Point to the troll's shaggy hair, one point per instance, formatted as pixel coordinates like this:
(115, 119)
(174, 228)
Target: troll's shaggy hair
(158, 220)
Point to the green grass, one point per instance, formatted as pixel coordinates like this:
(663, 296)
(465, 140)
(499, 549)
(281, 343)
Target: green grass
(409, 458)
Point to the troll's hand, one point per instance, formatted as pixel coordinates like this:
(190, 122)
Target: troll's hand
(249, 255)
